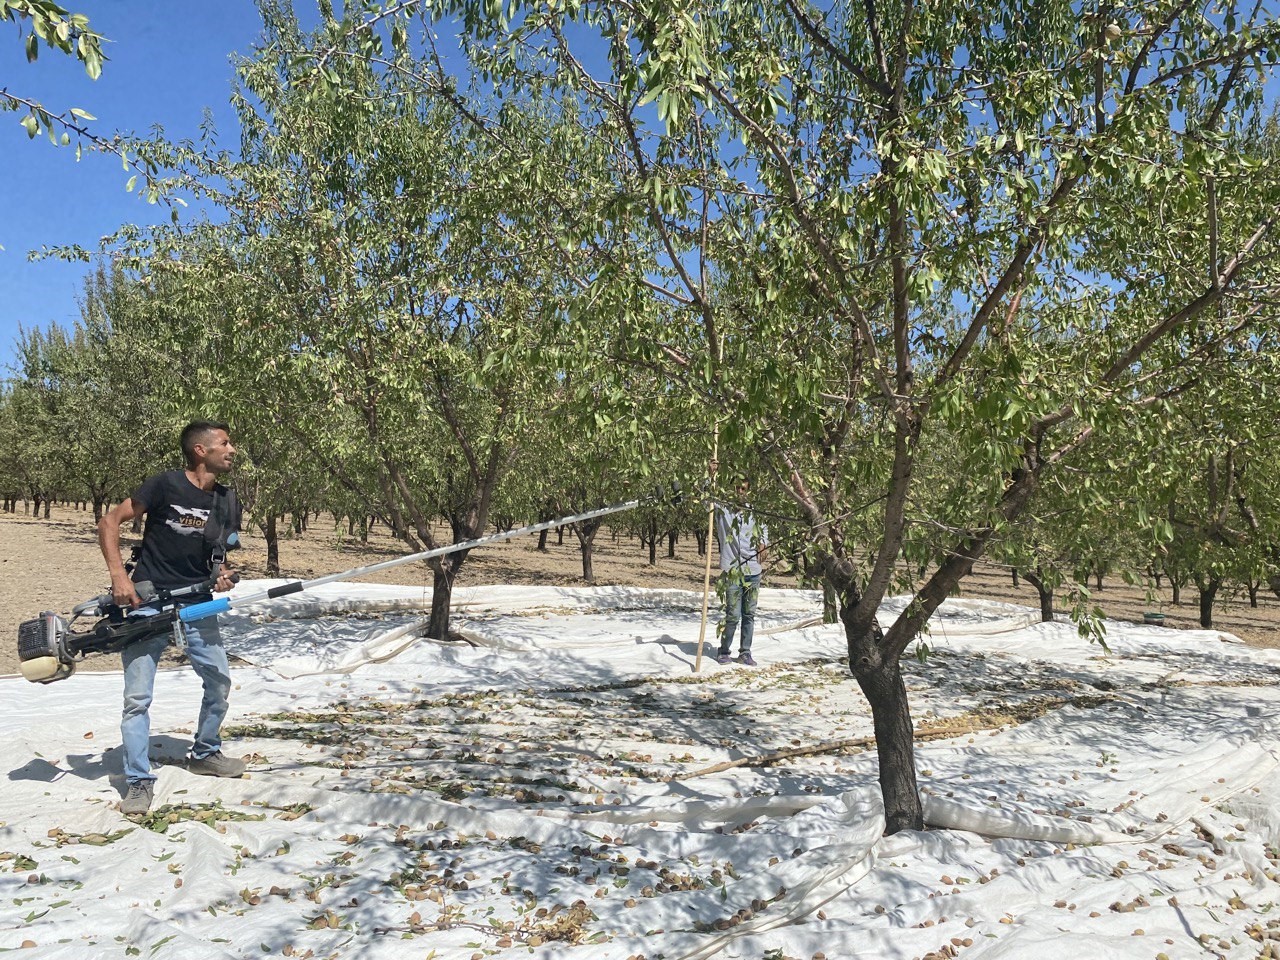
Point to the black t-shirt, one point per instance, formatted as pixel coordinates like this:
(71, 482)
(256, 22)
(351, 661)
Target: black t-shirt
(175, 552)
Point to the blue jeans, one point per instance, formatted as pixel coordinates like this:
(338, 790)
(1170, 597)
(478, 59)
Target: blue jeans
(740, 596)
(141, 659)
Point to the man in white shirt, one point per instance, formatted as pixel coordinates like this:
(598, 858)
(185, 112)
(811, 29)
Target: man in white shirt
(743, 546)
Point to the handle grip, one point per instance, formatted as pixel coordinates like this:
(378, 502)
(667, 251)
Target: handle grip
(199, 611)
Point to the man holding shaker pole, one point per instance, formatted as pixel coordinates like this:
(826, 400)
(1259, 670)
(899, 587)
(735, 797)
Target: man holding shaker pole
(192, 521)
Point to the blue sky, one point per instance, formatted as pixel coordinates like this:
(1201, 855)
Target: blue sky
(169, 61)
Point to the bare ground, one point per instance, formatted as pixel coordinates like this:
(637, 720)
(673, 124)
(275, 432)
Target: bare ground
(54, 564)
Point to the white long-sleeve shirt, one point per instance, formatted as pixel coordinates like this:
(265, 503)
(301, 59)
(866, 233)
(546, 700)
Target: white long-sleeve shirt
(741, 539)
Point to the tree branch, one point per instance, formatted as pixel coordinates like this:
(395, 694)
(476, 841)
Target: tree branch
(819, 37)
(848, 305)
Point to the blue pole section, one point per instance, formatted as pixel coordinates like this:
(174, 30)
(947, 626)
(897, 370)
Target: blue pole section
(199, 611)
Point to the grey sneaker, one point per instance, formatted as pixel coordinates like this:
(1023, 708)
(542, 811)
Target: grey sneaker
(216, 765)
(723, 657)
(746, 659)
(138, 800)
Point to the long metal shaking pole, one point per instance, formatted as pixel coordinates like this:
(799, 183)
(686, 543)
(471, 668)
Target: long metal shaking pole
(706, 574)
(200, 611)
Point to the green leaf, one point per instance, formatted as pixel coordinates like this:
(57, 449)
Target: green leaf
(31, 124)
(82, 114)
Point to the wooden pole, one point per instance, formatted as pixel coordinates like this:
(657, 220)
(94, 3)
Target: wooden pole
(706, 573)
(712, 468)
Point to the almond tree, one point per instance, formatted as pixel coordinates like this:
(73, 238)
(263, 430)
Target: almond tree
(364, 303)
(1005, 228)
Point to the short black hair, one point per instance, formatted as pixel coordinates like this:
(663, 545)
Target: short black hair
(194, 433)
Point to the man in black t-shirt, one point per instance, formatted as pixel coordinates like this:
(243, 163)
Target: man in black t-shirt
(190, 518)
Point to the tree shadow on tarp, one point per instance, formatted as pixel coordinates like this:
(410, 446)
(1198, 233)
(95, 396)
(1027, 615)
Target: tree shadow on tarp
(1161, 755)
(556, 728)
(621, 721)
(338, 634)
(331, 642)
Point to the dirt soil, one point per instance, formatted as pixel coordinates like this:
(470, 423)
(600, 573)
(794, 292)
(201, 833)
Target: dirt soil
(54, 564)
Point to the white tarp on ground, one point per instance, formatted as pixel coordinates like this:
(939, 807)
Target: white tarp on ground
(528, 791)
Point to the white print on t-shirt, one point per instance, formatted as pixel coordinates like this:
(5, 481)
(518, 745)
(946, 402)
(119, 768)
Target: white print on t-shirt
(190, 522)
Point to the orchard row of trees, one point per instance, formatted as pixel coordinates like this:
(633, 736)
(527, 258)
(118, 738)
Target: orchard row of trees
(83, 421)
(85, 418)
(950, 280)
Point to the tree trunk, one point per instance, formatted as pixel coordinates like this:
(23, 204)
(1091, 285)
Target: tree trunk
(441, 598)
(273, 546)
(446, 572)
(1015, 577)
(1176, 587)
(1207, 592)
(559, 536)
(586, 532)
(830, 606)
(700, 536)
(47, 505)
(1253, 593)
(652, 539)
(542, 541)
(895, 745)
(672, 536)
(874, 656)
(1046, 595)
(880, 680)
